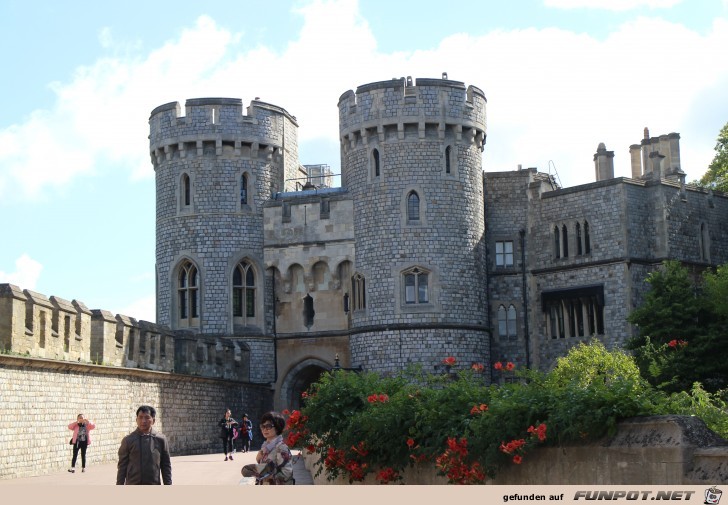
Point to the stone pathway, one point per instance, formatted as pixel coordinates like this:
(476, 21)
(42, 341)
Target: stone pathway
(198, 469)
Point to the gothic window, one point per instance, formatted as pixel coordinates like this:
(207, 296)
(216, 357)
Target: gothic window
(130, 349)
(587, 242)
(511, 320)
(557, 242)
(504, 254)
(502, 322)
(448, 154)
(565, 233)
(188, 295)
(413, 207)
(376, 163)
(507, 321)
(243, 292)
(577, 230)
(358, 290)
(244, 189)
(416, 289)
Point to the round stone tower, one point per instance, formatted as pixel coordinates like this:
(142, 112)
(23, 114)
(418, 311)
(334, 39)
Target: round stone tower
(411, 158)
(215, 167)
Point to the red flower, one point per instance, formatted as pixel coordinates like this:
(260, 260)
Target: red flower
(478, 367)
(479, 409)
(517, 459)
(286, 412)
(675, 343)
(498, 366)
(311, 449)
(387, 475)
(383, 398)
(510, 366)
(304, 395)
(360, 449)
(450, 361)
(410, 443)
(372, 398)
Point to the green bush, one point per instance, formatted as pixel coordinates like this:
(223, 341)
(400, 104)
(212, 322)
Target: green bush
(358, 423)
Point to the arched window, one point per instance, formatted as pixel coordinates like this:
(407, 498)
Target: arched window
(186, 198)
(557, 242)
(358, 290)
(502, 322)
(511, 321)
(587, 242)
(413, 206)
(579, 248)
(416, 286)
(243, 291)
(376, 163)
(448, 153)
(188, 295)
(565, 233)
(244, 189)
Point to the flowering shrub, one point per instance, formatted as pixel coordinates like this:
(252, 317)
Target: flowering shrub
(361, 423)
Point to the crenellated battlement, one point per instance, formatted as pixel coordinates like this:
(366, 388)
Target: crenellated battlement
(218, 126)
(398, 109)
(34, 325)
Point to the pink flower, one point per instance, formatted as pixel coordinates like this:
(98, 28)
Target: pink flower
(498, 366)
(450, 361)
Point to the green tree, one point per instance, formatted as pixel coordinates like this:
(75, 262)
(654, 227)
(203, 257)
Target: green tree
(717, 175)
(670, 309)
(683, 329)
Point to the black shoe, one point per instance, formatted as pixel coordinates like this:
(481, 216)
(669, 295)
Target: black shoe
(71, 470)
(83, 470)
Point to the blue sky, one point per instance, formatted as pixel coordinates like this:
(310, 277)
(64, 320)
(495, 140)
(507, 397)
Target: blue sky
(80, 78)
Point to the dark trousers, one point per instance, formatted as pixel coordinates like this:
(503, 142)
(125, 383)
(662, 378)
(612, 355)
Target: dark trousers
(227, 444)
(82, 446)
(244, 442)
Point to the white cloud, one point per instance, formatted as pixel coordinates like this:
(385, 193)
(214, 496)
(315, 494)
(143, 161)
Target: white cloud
(612, 5)
(26, 275)
(142, 309)
(552, 94)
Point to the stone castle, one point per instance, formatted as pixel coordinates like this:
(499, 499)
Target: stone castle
(269, 276)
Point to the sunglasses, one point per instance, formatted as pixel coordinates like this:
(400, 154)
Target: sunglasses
(266, 426)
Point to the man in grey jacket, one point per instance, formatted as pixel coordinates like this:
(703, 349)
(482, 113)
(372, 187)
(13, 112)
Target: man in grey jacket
(144, 453)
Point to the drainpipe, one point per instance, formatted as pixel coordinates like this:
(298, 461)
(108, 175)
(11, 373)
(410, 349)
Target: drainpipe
(275, 334)
(522, 234)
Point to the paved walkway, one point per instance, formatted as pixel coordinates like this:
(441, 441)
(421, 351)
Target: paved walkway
(199, 469)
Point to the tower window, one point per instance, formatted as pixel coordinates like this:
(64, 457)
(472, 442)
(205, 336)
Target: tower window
(413, 207)
(448, 154)
(416, 286)
(358, 289)
(565, 233)
(243, 291)
(188, 295)
(244, 189)
(557, 242)
(587, 242)
(377, 163)
(186, 190)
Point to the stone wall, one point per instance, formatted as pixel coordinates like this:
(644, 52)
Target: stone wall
(654, 450)
(39, 398)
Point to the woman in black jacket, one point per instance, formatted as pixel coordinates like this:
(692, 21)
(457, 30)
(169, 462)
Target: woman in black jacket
(227, 424)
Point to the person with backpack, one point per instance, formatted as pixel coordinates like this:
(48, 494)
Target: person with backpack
(245, 433)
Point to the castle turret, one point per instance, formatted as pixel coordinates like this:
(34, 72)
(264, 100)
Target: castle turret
(411, 158)
(215, 167)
